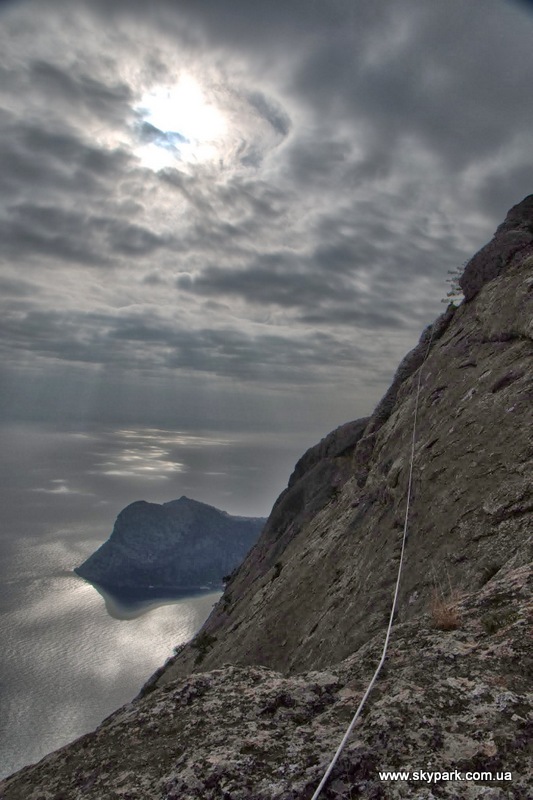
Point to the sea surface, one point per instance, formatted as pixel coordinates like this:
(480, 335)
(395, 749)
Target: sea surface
(69, 655)
(65, 662)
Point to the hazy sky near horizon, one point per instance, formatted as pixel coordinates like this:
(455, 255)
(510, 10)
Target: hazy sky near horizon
(218, 215)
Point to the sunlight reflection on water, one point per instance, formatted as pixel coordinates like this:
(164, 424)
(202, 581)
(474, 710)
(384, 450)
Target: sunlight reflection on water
(66, 663)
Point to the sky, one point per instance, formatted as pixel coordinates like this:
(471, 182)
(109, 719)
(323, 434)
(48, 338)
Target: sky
(223, 224)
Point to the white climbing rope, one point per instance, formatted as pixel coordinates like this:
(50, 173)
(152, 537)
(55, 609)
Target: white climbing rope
(350, 728)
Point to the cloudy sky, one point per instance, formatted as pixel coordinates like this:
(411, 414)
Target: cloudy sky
(223, 223)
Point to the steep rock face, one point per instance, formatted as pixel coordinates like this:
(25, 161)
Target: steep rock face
(317, 477)
(180, 544)
(325, 589)
(255, 706)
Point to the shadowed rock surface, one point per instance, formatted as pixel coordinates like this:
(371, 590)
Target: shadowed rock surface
(255, 706)
(512, 243)
(180, 544)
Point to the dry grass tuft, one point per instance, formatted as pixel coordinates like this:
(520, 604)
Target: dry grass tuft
(444, 610)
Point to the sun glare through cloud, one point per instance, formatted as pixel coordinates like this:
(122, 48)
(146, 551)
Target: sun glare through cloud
(178, 124)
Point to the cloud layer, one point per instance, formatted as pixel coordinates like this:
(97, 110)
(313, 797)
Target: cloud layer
(366, 149)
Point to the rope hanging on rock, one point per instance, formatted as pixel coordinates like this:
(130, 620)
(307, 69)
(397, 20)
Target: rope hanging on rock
(395, 599)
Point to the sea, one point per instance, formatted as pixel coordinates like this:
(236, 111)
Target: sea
(69, 655)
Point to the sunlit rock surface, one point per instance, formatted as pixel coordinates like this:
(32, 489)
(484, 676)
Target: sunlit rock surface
(254, 707)
(180, 544)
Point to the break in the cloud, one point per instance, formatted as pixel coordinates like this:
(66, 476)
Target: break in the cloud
(257, 201)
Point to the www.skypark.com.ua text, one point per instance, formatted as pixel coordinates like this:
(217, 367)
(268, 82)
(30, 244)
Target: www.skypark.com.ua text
(427, 776)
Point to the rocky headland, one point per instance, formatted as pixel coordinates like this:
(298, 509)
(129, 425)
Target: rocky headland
(255, 706)
(183, 544)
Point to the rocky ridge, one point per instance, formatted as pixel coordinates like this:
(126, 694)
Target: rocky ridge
(254, 707)
(180, 544)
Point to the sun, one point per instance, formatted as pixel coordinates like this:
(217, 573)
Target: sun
(177, 123)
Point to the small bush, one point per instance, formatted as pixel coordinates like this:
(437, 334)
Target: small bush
(455, 294)
(203, 642)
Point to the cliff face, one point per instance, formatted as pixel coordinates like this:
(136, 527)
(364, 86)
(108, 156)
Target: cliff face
(255, 706)
(180, 544)
(319, 582)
